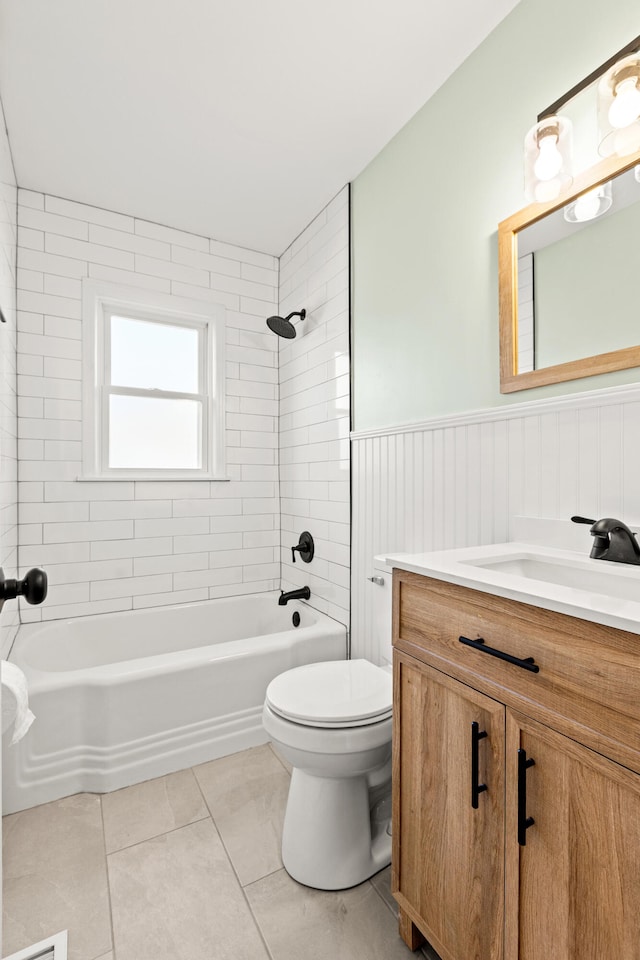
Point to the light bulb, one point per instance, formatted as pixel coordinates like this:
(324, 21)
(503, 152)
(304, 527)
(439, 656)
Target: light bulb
(547, 190)
(587, 206)
(625, 108)
(626, 140)
(549, 162)
(590, 205)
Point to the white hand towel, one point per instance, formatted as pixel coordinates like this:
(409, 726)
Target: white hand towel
(15, 701)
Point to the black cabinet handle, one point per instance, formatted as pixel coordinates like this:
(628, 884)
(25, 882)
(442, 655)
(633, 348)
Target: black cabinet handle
(476, 788)
(524, 822)
(527, 663)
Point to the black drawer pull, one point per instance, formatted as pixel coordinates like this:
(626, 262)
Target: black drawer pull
(476, 788)
(527, 664)
(524, 822)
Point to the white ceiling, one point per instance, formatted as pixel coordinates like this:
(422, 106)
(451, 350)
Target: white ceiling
(236, 119)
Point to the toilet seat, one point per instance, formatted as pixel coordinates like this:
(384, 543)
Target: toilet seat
(340, 693)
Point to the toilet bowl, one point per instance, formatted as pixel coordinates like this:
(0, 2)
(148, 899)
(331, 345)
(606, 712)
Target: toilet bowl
(332, 722)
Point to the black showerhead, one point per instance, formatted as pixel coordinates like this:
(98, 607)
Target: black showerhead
(283, 327)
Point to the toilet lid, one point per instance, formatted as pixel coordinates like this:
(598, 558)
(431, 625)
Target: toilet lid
(340, 693)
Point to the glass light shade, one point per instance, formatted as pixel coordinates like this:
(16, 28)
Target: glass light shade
(619, 108)
(590, 205)
(636, 172)
(547, 159)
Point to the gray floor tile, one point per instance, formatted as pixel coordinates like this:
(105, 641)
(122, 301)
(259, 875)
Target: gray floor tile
(150, 809)
(247, 794)
(285, 763)
(298, 922)
(382, 884)
(175, 897)
(55, 877)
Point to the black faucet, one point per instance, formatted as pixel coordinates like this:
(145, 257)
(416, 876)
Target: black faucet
(612, 540)
(302, 593)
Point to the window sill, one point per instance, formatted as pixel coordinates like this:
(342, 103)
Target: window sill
(145, 478)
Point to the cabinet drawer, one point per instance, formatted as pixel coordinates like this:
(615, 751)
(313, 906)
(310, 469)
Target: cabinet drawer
(588, 679)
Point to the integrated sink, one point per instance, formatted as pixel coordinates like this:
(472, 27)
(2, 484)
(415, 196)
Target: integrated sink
(566, 581)
(609, 579)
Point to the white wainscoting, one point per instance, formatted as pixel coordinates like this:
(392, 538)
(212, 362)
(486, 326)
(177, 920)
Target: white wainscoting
(459, 481)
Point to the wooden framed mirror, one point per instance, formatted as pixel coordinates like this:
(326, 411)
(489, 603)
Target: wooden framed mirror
(569, 294)
(569, 268)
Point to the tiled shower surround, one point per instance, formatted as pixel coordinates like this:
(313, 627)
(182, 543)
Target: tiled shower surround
(117, 545)
(314, 408)
(8, 401)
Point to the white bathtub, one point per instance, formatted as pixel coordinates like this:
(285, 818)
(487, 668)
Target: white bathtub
(124, 697)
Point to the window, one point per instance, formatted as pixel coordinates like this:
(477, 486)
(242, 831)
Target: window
(153, 385)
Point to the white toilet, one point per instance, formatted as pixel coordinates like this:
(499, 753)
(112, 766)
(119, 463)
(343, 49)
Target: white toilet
(332, 722)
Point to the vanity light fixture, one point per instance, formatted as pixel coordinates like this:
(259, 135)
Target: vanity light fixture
(636, 172)
(618, 84)
(547, 159)
(619, 108)
(590, 205)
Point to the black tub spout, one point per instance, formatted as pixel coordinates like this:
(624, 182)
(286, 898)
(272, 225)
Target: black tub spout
(302, 593)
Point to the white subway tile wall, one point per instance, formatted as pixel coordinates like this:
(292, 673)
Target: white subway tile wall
(9, 618)
(121, 545)
(453, 484)
(314, 409)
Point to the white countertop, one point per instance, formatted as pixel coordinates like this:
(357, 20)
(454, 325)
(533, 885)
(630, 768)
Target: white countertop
(459, 566)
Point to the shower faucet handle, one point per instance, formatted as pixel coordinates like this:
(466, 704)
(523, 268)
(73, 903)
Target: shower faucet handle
(33, 586)
(305, 548)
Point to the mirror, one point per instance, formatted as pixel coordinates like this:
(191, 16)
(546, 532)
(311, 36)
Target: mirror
(568, 290)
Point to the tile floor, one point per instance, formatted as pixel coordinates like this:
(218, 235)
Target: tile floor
(185, 867)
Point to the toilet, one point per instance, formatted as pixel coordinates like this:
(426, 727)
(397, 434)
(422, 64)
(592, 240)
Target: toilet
(332, 722)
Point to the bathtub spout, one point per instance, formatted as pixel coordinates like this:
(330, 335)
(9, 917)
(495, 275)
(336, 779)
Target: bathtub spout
(303, 593)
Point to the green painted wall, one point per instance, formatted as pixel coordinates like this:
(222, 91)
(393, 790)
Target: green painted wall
(426, 210)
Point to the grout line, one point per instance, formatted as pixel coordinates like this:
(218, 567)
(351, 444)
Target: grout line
(157, 836)
(266, 876)
(277, 756)
(106, 869)
(384, 899)
(231, 864)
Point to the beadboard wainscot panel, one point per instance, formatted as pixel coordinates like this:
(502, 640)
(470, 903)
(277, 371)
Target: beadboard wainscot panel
(461, 481)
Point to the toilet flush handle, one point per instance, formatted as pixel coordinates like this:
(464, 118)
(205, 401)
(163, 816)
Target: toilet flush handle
(379, 581)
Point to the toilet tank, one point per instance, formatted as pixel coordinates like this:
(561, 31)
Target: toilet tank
(381, 594)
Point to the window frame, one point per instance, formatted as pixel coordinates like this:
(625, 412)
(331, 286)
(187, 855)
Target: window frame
(101, 301)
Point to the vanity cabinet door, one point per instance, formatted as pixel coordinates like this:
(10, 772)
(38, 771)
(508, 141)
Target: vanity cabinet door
(573, 891)
(448, 857)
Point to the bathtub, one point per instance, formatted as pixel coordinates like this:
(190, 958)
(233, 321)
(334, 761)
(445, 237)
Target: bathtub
(124, 697)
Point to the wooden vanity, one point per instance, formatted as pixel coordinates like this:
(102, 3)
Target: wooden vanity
(516, 782)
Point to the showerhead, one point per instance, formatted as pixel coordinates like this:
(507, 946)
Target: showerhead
(283, 327)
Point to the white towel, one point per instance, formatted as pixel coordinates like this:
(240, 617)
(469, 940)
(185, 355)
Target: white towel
(15, 701)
